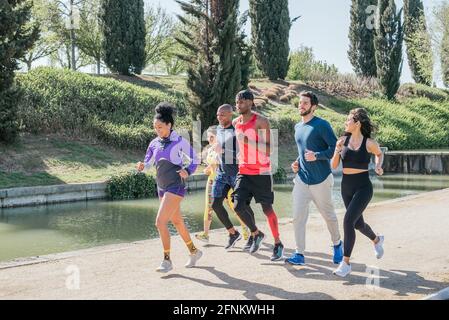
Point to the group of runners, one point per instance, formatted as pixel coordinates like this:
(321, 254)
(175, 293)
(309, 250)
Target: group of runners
(239, 169)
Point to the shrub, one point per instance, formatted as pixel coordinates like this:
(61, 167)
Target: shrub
(270, 95)
(133, 185)
(280, 176)
(409, 90)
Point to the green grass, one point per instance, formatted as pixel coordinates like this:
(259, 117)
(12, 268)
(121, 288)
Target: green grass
(48, 160)
(20, 179)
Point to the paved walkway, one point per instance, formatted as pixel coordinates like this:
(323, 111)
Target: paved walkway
(416, 263)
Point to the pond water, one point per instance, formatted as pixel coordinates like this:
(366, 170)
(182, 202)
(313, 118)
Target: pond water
(40, 230)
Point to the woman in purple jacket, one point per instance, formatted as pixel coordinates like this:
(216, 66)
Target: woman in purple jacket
(168, 152)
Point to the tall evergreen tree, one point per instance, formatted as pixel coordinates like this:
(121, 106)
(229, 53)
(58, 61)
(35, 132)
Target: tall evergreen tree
(211, 38)
(444, 53)
(16, 37)
(123, 27)
(270, 29)
(388, 45)
(224, 14)
(419, 53)
(246, 50)
(361, 35)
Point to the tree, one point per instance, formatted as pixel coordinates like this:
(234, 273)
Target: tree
(246, 50)
(159, 28)
(210, 38)
(270, 29)
(90, 38)
(361, 35)
(123, 28)
(420, 57)
(228, 80)
(441, 38)
(44, 14)
(445, 58)
(65, 27)
(388, 45)
(305, 67)
(173, 64)
(16, 37)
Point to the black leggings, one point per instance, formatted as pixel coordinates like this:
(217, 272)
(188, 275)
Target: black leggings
(357, 191)
(245, 213)
(222, 214)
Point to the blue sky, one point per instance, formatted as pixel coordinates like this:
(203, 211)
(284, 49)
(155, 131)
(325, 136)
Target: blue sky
(323, 25)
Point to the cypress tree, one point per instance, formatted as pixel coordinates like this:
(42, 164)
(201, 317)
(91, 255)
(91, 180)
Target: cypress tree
(246, 51)
(388, 46)
(270, 29)
(224, 14)
(16, 37)
(361, 35)
(416, 37)
(123, 27)
(444, 53)
(212, 41)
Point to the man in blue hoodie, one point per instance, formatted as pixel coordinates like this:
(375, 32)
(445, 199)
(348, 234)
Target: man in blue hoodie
(314, 180)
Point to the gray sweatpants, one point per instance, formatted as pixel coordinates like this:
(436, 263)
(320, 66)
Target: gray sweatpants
(321, 195)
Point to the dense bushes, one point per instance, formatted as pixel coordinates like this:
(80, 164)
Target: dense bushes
(133, 185)
(417, 123)
(63, 101)
(411, 90)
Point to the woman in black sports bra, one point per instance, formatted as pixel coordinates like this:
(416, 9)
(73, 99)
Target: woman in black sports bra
(355, 150)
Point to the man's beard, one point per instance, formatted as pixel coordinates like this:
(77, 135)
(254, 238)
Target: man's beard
(305, 113)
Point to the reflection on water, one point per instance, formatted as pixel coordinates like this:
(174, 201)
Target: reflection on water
(56, 228)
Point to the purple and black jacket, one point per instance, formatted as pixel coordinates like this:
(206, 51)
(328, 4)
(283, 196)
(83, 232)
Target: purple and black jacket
(170, 155)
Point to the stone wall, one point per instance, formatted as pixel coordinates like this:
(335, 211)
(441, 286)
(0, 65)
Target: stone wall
(417, 162)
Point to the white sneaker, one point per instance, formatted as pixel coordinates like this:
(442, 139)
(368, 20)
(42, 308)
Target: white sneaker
(165, 266)
(378, 248)
(343, 269)
(193, 258)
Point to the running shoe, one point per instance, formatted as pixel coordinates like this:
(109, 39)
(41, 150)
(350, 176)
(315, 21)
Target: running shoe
(296, 259)
(278, 252)
(193, 259)
(258, 239)
(165, 266)
(343, 270)
(202, 237)
(378, 247)
(248, 244)
(233, 238)
(338, 253)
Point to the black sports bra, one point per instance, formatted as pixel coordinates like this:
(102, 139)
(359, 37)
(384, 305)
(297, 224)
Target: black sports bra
(355, 159)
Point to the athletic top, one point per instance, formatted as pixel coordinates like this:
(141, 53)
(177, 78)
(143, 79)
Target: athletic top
(170, 155)
(251, 160)
(317, 136)
(355, 159)
(228, 142)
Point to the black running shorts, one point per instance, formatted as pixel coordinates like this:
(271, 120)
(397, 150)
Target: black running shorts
(259, 186)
